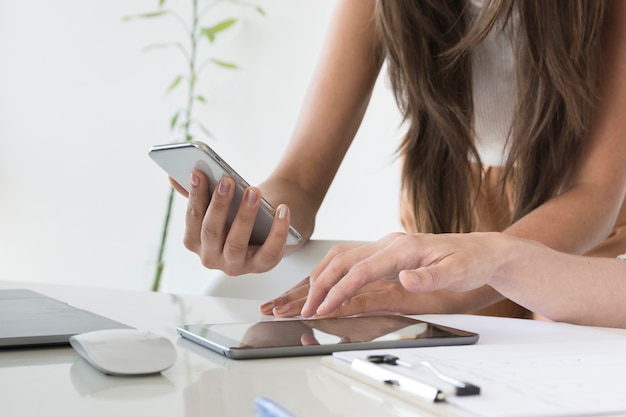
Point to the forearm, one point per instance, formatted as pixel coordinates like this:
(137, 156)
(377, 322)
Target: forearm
(568, 223)
(336, 101)
(573, 222)
(584, 214)
(556, 285)
(561, 286)
(331, 114)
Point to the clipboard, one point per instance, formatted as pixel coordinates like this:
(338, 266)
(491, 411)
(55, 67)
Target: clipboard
(420, 383)
(579, 375)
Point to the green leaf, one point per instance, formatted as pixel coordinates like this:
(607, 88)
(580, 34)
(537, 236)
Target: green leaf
(176, 45)
(201, 99)
(212, 31)
(145, 15)
(175, 83)
(224, 64)
(260, 10)
(174, 120)
(158, 46)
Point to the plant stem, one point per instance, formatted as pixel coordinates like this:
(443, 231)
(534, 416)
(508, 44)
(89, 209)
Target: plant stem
(160, 264)
(192, 70)
(193, 37)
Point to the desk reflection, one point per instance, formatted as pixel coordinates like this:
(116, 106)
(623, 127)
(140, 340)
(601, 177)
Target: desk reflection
(88, 381)
(222, 392)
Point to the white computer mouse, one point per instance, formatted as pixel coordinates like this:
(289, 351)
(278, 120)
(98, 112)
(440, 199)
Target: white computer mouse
(125, 351)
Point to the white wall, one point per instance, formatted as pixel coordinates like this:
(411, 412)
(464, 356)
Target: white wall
(80, 104)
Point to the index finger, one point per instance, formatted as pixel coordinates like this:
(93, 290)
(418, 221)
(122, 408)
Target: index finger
(332, 270)
(355, 269)
(289, 301)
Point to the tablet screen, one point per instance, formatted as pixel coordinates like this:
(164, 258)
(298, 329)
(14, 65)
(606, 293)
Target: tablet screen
(321, 336)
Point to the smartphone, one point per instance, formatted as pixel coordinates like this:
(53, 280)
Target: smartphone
(281, 338)
(180, 159)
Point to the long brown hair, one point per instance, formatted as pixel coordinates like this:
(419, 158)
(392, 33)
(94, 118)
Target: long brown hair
(428, 44)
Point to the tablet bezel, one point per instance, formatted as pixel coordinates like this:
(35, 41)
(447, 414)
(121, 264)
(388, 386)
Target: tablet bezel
(202, 335)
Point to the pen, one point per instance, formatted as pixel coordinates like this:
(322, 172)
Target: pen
(462, 388)
(371, 367)
(403, 383)
(268, 408)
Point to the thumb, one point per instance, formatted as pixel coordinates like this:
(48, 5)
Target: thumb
(425, 279)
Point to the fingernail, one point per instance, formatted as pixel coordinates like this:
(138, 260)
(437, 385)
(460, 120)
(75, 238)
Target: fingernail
(322, 307)
(251, 197)
(223, 187)
(282, 211)
(195, 180)
(412, 278)
(268, 306)
(282, 309)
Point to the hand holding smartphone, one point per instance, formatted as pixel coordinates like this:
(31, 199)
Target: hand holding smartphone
(179, 160)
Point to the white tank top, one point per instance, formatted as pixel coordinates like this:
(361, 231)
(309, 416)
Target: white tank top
(494, 90)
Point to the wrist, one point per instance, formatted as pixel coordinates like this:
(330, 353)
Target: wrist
(511, 254)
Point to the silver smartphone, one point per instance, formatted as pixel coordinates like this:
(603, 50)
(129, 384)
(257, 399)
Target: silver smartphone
(180, 159)
(279, 338)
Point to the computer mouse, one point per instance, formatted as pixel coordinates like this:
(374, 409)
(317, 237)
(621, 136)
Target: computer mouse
(125, 351)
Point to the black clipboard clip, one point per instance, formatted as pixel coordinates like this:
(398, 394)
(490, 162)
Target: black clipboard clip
(371, 367)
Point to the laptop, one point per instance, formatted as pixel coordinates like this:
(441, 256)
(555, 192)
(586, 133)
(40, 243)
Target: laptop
(28, 318)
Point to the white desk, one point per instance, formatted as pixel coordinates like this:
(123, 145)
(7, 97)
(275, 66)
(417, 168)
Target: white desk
(57, 382)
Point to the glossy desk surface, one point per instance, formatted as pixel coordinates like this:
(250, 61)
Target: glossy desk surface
(55, 381)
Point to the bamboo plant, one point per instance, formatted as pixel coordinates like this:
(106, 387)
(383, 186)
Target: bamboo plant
(184, 122)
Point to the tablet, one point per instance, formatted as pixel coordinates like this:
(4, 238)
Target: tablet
(279, 338)
(179, 160)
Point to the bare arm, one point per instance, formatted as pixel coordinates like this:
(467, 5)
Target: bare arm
(563, 287)
(575, 221)
(333, 110)
(559, 286)
(583, 215)
(331, 113)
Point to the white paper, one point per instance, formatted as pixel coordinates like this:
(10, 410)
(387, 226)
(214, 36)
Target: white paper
(528, 368)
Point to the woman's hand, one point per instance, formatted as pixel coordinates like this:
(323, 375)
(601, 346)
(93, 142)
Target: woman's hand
(377, 296)
(396, 274)
(227, 248)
